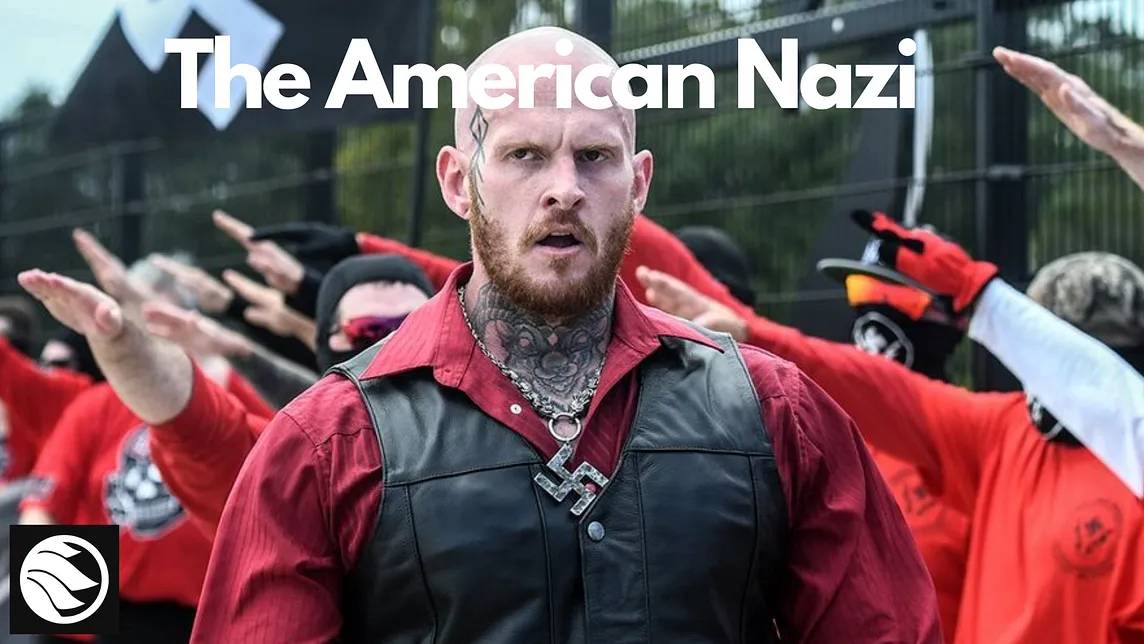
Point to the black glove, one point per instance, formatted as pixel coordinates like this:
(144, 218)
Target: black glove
(312, 242)
(305, 299)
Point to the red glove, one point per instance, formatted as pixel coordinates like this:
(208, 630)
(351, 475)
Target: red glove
(922, 255)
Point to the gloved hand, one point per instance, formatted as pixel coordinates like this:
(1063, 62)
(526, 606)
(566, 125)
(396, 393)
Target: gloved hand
(922, 255)
(312, 241)
(305, 299)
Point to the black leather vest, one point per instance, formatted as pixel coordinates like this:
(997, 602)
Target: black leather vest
(686, 543)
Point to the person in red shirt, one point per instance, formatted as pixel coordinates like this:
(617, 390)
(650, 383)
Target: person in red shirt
(1055, 547)
(416, 493)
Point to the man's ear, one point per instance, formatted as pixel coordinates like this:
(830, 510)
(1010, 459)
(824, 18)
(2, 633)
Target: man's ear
(453, 175)
(642, 167)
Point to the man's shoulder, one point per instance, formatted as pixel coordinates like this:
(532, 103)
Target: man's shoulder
(331, 407)
(774, 377)
(664, 324)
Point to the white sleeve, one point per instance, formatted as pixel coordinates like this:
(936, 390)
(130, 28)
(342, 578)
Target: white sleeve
(1092, 391)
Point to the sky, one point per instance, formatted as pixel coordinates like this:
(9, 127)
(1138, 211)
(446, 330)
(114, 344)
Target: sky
(47, 44)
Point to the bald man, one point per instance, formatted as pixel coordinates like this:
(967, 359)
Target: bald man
(533, 456)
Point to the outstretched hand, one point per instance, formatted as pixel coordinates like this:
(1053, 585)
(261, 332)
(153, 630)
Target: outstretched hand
(268, 309)
(78, 306)
(108, 270)
(194, 332)
(279, 268)
(674, 297)
(1070, 99)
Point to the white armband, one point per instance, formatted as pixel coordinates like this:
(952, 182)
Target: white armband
(1092, 391)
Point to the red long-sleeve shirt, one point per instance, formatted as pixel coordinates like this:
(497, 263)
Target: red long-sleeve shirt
(200, 452)
(306, 502)
(1055, 554)
(651, 245)
(33, 400)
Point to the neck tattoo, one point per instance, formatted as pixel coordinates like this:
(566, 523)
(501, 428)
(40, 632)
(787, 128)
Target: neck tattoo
(557, 369)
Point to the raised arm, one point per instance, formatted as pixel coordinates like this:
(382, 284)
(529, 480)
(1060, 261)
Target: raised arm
(1093, 392)
(276, 379)
(1084, 112)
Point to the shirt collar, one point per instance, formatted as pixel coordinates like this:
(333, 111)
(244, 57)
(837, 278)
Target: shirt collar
(435, 334)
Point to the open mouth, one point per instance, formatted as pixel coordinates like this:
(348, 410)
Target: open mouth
(559, 240)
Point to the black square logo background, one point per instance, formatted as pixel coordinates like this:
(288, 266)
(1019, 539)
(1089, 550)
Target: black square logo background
(105, 539)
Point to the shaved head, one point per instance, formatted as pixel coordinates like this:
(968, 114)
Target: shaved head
(537, 47)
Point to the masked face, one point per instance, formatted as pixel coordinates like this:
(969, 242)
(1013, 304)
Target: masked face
(921, 345)
(369, 312)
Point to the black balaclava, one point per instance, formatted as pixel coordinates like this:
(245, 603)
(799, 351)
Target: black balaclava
(84, 359)
(347, 274)
(722, 257)
(922, 345)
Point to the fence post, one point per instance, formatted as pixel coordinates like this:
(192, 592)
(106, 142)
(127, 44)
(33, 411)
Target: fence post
(1002, 141)
(421, 160)
(130, 205)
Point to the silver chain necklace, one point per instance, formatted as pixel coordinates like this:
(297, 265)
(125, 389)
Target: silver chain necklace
(569, 481)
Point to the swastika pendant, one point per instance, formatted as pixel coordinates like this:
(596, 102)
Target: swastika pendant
(570, 481)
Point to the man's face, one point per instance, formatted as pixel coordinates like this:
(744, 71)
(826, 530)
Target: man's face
(372, 307)
(553, 208)
(550, 193)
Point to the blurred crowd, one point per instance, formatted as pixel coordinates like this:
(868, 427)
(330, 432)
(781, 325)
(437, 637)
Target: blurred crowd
(145, 410)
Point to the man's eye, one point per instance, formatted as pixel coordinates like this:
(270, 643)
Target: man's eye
(592, 155)
(522, 154)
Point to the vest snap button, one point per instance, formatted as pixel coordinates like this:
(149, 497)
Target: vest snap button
(595, 531)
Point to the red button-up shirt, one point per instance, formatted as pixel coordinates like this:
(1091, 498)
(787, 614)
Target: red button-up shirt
(307, 500)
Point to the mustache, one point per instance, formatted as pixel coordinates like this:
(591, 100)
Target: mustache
(566, 219)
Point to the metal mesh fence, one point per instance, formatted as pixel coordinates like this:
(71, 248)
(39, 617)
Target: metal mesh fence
(766, 175)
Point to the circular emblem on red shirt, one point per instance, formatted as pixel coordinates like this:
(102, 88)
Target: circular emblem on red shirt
(135, 496)
(921, 509)
(1088, 547)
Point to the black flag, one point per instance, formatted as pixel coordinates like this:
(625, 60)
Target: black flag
(130, 88)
